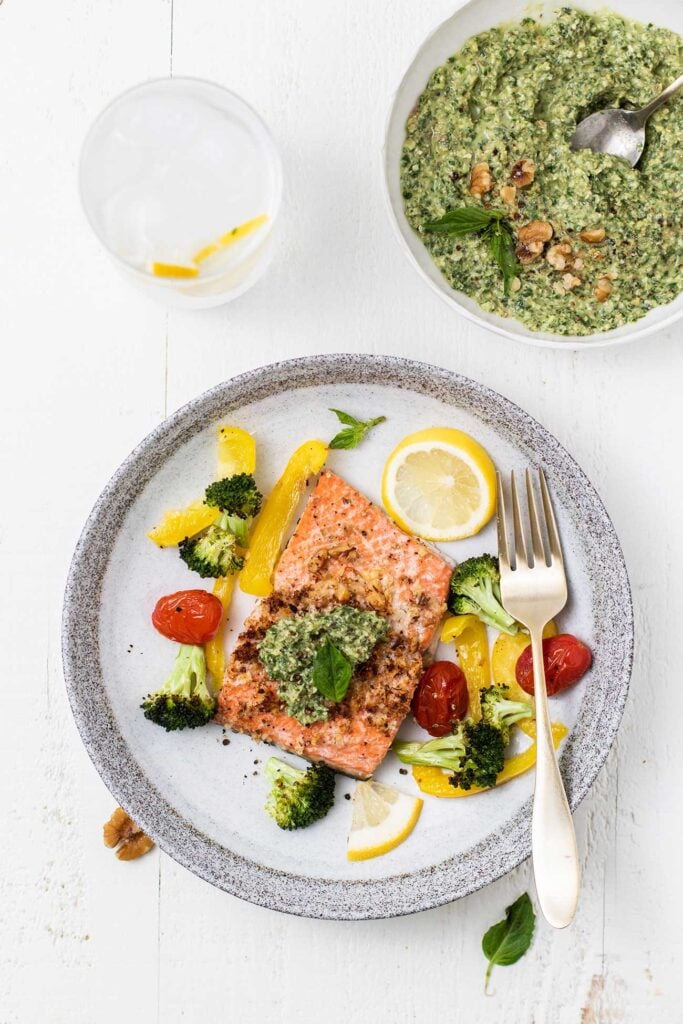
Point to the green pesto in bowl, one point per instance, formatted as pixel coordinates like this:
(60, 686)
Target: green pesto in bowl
(515, 93)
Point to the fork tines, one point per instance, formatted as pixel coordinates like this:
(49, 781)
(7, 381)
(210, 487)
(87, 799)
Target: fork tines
(542, 530)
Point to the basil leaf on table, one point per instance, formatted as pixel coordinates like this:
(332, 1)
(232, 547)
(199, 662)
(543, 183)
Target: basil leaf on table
(504, 943)
(332, 671)
(355, 429)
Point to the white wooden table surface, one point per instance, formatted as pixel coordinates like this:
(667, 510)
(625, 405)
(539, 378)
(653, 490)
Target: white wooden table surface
(89, 367)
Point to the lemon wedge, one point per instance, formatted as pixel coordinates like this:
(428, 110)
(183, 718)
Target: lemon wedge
(440, 484)
(230, 237)
(382, 817)
(173, 270)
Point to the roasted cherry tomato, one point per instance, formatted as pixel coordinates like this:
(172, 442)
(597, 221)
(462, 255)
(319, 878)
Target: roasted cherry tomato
(441, 698)
(189, 617)
(565, 659)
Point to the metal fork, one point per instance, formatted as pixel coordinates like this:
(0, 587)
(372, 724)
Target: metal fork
(534, 589)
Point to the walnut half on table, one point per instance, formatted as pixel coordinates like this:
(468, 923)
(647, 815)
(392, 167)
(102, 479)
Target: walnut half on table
(122, 832)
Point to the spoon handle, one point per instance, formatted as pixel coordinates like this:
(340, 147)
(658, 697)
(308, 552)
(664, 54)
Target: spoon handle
(662, 98)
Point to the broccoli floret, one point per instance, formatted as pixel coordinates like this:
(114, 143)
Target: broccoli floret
(299, 796)
(213, 552)
(183, 702)
(474, 753)
(485, 757)
(238, 497)
(502, 713)
(475, 590)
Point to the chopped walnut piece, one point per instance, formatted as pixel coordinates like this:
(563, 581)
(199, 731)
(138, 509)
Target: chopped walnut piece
(322, 558)
(137, 846)
(558, 255)
(122, 832)
(558, 289)
(113, 830)
(508, 193)
(522, 174)
(527, 252)
(570, 281)
(603, 289)
(481, 181)
(592, 235)
(535, 231)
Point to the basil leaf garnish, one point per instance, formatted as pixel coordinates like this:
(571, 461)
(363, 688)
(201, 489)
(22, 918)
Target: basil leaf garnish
(490, 224)
(355, 429)
(502, 248)
(464, 221)
(332, 671)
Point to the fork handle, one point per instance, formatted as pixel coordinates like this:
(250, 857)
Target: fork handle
(553, 840)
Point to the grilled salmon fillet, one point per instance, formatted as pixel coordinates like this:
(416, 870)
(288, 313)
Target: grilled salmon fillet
(348, 541)
(344, 551)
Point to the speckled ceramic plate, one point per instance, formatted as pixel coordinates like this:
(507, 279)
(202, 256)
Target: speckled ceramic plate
(201, 799)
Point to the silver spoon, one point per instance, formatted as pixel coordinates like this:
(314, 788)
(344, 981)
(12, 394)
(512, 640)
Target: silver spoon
(619, 132)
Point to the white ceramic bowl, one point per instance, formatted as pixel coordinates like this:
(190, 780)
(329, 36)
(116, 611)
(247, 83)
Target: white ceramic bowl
(477, 16)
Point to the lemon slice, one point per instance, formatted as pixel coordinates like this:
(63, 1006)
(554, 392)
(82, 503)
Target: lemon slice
(382, 817)
(439, 484)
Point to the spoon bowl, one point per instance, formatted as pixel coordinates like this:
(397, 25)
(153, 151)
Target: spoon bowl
(618, 132)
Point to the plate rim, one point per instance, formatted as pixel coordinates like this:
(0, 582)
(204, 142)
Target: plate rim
(298, 894)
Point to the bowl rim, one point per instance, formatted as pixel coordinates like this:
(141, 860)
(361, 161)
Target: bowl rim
(539, 339)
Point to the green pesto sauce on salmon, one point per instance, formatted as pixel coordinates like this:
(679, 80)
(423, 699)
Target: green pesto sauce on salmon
(288, 650)
(516, 93)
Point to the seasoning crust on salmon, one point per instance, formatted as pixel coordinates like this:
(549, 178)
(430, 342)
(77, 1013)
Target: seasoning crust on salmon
(345, 551)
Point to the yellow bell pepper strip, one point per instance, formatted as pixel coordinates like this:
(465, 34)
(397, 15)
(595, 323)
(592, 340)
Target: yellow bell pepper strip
(179, 523)
(504, 658)
(236, 452)
(279, 508)
(435, 781)
(472, 644)
(223, 588)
